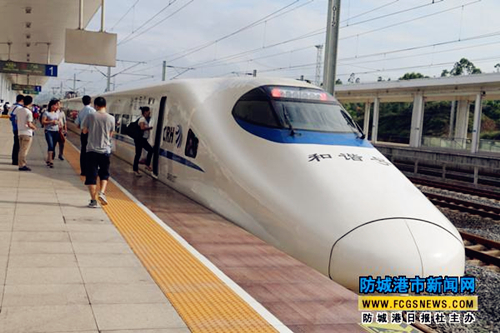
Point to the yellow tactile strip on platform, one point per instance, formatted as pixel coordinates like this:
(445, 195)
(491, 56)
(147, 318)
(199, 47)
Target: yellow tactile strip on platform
(204, 302)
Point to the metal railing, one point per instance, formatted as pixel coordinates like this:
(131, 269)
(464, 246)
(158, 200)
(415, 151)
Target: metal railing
(492, 146)
(431, 141)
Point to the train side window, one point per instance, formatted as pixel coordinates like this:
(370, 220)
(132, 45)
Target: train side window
(257, 112)
(191, 145)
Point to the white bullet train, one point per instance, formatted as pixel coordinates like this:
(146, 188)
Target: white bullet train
(283, 160)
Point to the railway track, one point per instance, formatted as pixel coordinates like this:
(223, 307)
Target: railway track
(457, 188)
(485, 250)
(465, 206)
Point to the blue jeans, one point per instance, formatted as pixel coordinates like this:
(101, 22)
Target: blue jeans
(52, 137)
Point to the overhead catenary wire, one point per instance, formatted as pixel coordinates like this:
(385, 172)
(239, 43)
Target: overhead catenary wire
(410, 20)
(478, 60)
(370, 11)
(170, 3)
(393, 13)
(124, 15)
(161, 21)
(323, 30)
(204, 46)
(375, 54)
(308, 35)
(312, 33)
(292, 9)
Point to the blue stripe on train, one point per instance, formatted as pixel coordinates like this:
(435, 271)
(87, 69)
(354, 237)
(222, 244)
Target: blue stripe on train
(165, 153)
(304, 137)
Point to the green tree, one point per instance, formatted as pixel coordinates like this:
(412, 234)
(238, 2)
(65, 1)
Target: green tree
(412, 75)
(464, 67)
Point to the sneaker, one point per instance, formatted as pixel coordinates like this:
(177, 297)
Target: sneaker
(154, 176)
(137, 174)
(24, 168)
(93, 204)
(102, 198)
(61, 157)
(149, 168)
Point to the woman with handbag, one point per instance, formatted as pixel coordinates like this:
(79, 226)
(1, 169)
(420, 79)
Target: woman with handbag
(50, 120)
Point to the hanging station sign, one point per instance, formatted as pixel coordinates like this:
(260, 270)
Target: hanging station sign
(27, 68)
(30, 87)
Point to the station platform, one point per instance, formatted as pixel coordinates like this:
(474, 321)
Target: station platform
(151, 260)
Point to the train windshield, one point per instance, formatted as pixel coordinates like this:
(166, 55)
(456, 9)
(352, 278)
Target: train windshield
(294, 108)
(320, 117)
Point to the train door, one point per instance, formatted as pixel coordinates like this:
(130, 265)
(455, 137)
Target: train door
(158, 135)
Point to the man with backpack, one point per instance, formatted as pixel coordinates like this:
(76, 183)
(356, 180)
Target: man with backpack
(15, 148)
(139, 130)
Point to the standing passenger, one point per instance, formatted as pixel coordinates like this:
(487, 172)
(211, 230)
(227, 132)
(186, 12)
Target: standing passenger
(6, 108)
(25, 128)
(15, 148)
(50, 121)
(141, 142)
(87, 109)
(63, 130)
(99, 126)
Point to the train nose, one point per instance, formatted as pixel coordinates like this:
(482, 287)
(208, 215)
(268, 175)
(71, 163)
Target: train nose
(396, 247)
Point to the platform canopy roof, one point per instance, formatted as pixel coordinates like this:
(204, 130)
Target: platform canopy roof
(31, 24)
(464, 87)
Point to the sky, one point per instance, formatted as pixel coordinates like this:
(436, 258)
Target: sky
(379, 40)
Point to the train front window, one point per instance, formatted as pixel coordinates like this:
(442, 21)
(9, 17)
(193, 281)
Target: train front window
(294, 108)
(256, 112)
(321, 117)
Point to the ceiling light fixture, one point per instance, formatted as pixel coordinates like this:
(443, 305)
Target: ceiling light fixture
(28, 25)
(28, 10)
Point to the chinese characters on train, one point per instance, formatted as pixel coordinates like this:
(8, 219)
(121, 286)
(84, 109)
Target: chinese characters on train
(348, 157)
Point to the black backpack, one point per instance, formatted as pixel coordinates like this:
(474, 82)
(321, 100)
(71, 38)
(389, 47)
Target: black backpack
(134, 130)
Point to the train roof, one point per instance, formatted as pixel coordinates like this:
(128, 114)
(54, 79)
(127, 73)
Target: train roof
(206, 84)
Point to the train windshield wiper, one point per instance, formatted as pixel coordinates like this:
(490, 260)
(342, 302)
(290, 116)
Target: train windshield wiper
(286, 115)
(353, 124)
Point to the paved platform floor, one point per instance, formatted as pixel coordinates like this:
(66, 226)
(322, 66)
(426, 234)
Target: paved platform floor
(64, 267)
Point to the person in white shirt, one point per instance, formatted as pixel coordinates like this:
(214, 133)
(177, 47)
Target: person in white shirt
(25, 128)
(50, 121)
(87, 109)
